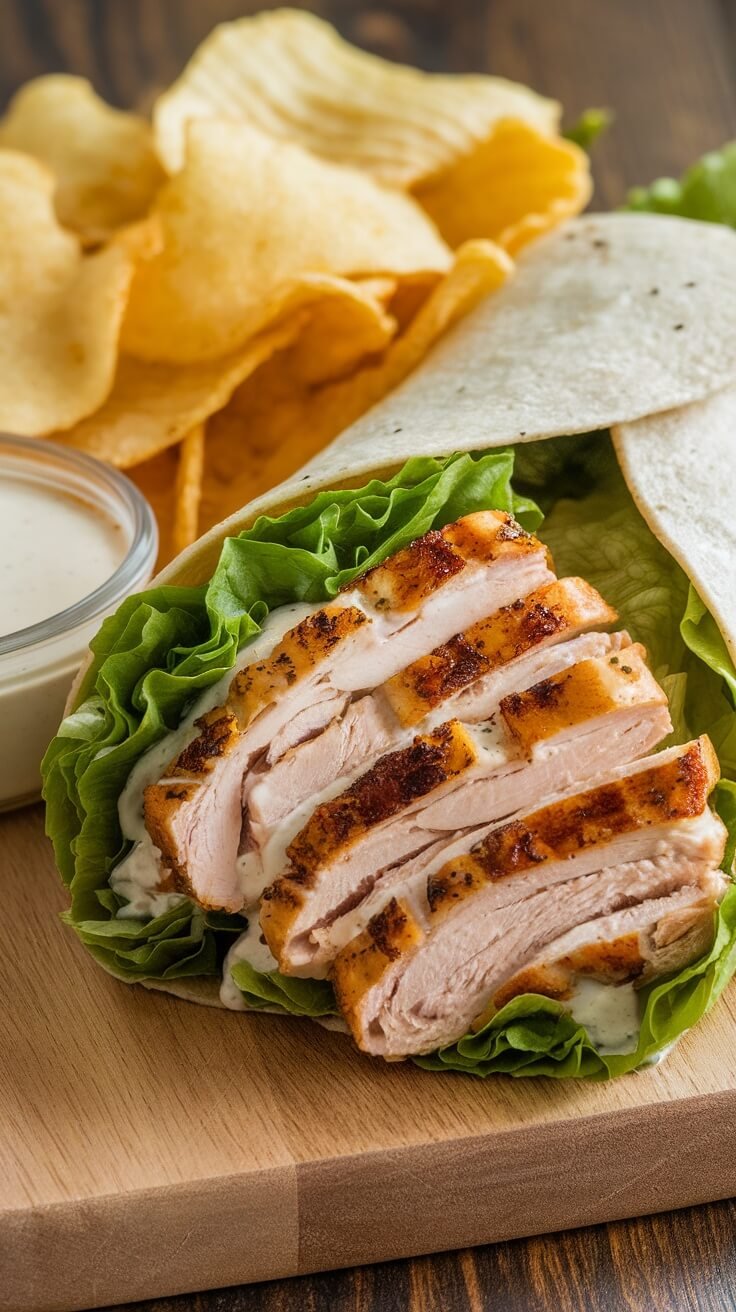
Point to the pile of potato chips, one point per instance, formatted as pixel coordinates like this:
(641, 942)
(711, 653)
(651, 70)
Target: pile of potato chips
(206, 299)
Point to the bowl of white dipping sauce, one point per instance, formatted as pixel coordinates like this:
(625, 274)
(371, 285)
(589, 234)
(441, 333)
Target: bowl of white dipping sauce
(75, 538)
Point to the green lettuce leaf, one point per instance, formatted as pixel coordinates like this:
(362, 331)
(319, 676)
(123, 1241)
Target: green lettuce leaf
(165, 646)
(588, 128)
(707, 191)
(183, 941)
(264, 990)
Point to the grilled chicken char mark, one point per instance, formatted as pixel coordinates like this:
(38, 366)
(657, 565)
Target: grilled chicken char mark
(533, 637)
(630, 947)
(407, 578)
(551, 614)
(553, 736)
(613, 941)
(392, 615)
(641, 849)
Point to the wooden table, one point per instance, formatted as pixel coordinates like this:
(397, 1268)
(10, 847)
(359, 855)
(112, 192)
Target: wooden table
(668, 67)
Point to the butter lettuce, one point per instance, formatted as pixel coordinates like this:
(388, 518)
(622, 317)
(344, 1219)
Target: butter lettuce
(706, 192)
(264, 990)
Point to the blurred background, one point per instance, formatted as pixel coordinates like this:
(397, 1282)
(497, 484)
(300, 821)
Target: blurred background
(667, 67)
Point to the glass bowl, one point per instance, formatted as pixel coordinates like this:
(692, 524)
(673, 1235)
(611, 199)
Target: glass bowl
(38, 663)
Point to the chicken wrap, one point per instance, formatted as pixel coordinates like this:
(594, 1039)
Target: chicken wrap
(436, 742)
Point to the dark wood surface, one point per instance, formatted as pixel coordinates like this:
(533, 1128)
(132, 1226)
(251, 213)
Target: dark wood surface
(668, 69)
(670, 1263)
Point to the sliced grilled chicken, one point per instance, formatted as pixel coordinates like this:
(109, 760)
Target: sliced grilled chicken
(444, 946)
(394, 614)
(633, 945)
(409, 879)
(534, 637)
(548, 739)
(493, 654)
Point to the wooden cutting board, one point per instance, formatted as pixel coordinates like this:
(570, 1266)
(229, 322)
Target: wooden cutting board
(150, 1147)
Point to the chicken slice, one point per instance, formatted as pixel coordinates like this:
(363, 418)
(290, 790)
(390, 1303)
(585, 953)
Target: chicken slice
(443, 948)
(393, 614)
(558, 611)
(409, 878)
(466, 677)
(552, 737)
(630, 946)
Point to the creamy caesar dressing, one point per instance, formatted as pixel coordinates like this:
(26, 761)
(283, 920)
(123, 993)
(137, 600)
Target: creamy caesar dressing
(136, 879)
(491, 739)
(55, 549)
(75, 538)
(250, 947)
(137, 876)
(609, 1012)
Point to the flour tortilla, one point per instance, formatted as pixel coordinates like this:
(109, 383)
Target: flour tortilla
(680, 468)
(611, 318)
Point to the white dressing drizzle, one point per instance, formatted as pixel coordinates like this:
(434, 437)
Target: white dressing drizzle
(248, 947)
(609, 1012)
(137, 879)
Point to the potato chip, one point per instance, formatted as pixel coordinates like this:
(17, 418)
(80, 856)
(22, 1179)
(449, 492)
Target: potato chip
(142, 239)
(340, 329)
(512, 187)
(188, 490)
(171, 482)
(380, 289)
(409, 298)
(60, 311)
(290, 74)
(156, 479)
(104, 162)
(274, 423)
(152, 406)
(243, 223)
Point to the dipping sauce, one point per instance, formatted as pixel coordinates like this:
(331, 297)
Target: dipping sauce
(54, 549)
(76, 537)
